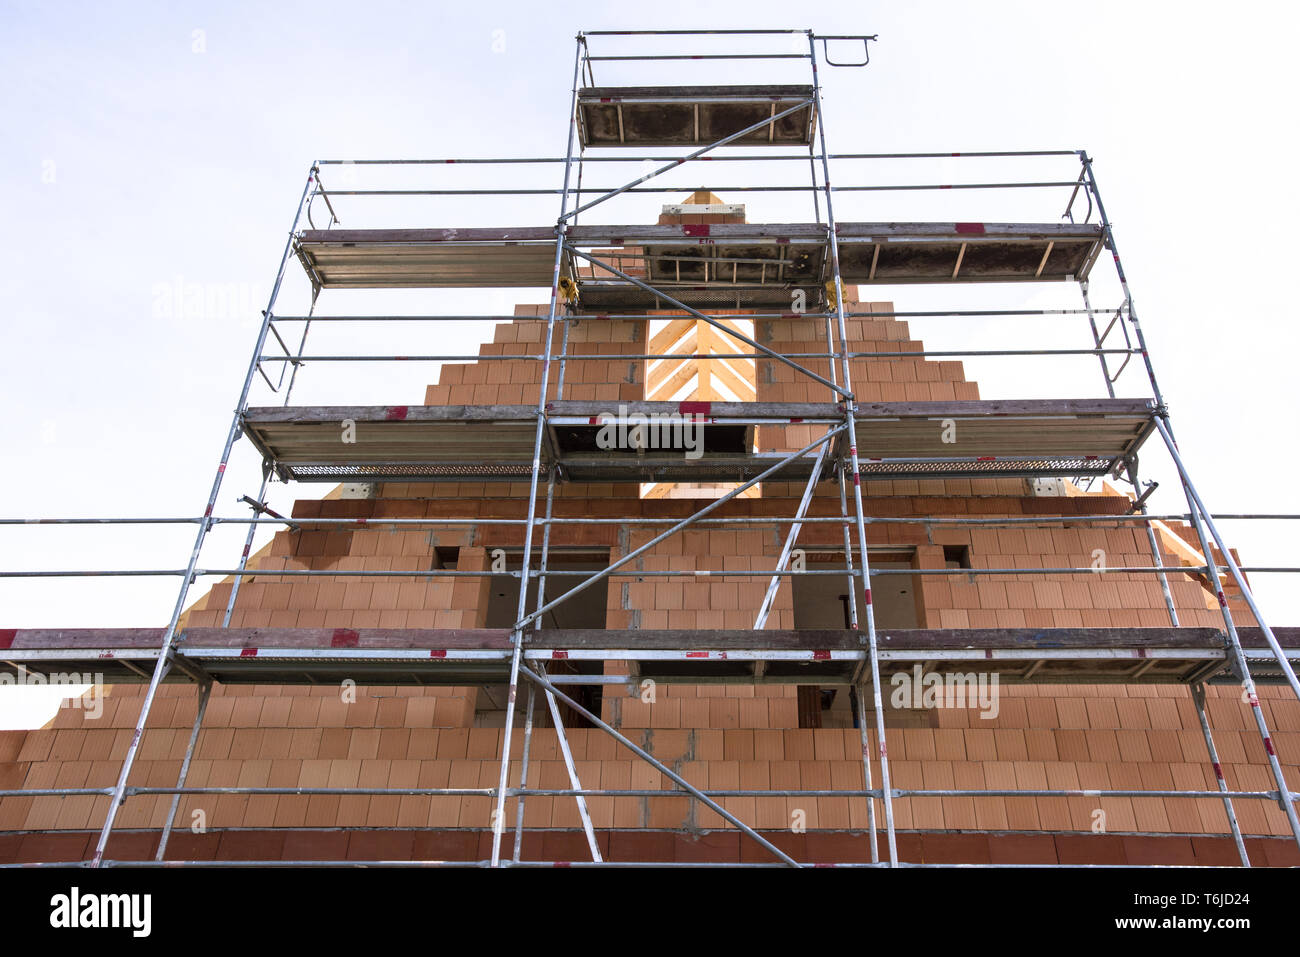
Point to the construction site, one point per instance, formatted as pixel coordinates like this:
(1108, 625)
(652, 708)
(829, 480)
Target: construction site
(706, 559)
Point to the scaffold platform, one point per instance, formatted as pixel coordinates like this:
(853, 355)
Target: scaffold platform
(467, 657)
(696, 115)
(1031, 438)
(700, 265)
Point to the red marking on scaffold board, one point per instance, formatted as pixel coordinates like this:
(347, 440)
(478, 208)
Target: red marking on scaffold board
(344, 638)
(437, 653)
(396, 413)
(975, 229)
(821, 655)
(699, 229)
(697, 654)
(695, 408)
(557, 653)
(106, 654)
(248, 653)
(987, 458)
(7, 636)
(988, 652)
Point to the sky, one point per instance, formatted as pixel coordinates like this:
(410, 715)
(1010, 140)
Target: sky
(155, 153)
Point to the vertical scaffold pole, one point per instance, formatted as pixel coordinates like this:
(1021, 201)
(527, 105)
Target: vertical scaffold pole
(769, 598)
(248, 548)
(849, 407)
(567, 754)
(205, 692)
(1198, 698)
(498, 816)
(1156, 557)
(169, 635)
(523, 772)
(1096, 338)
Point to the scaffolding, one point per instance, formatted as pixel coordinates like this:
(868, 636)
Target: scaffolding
(732, 270)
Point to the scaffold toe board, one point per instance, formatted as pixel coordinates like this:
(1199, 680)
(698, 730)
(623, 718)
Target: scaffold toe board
(695, 115)
(778, 656)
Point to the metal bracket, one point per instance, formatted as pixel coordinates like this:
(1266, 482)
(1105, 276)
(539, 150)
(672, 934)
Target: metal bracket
(262, 508)
(866, 51)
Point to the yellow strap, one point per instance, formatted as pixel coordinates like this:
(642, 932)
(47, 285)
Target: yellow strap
(832, 299)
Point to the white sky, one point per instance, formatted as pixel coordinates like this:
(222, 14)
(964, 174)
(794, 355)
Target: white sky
(135, 165)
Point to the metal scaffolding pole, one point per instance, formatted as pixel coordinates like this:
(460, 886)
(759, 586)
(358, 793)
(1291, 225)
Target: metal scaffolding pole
(205, 692)
(791, 537)
(1096, 338)
(1157, 559)
(684, 523)
(572, 769)
(866, 768)
(662, 768)
(849, 407)
(1203, 520)
(1198, 698)
(498, 817)
(169, 635)
(523, 773)
(1234, 640)
(723, 327)
(248, 547)
(527, 662)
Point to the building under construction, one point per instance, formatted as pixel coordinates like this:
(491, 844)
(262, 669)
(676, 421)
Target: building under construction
(705, 560)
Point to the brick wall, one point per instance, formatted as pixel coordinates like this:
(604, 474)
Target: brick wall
(719, 737)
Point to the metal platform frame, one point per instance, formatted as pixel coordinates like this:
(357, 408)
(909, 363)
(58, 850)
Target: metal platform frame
(1101, 437)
